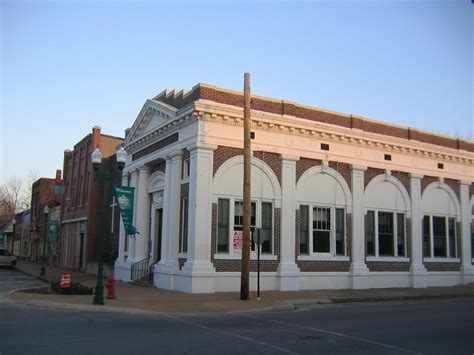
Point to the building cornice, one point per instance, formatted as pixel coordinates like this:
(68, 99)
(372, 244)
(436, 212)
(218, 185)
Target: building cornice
(289, 125)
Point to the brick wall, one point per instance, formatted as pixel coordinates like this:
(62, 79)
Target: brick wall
(282, 107)
(442, 266)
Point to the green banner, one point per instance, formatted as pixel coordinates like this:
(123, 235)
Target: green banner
(125, 196)
(53, 231)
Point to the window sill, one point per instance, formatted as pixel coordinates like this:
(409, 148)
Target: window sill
(182, 255)
(393, 259)
(322, 258)
(253, 256)
(185, 180)
(441, 260)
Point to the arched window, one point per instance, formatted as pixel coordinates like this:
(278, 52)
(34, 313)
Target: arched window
(440, 209)
(324, 199)
(227, 192)
(387, 205)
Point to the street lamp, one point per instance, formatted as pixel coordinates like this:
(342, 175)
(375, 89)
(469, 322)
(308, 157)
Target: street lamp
(43, 267)
(104, 177)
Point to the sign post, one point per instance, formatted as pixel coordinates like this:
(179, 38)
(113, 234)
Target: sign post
(258, 239)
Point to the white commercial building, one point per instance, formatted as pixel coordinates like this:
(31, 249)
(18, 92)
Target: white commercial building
(343, 201)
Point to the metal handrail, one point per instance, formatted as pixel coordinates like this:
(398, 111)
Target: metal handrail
(140, 269)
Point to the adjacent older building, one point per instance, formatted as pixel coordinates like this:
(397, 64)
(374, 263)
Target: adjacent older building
(81, 203)
(343, 201)
(46, 193)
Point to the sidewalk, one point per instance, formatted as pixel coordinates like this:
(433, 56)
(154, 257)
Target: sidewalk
(137, 299)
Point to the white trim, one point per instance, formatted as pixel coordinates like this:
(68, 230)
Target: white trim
(257, 163)
(387, 177)
(441, 260)
(393, 259)
(322, 258)
(156, 182)
(320, 169)
(443, 186)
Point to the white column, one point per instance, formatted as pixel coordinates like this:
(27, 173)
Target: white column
(132, 240)
(163, 277)
(174, 205)
(467, 270)
(142, 208)
(198, 273)
(417, 269)
(359, 271)
(288, 271)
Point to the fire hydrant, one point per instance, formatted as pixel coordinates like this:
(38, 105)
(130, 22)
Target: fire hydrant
(110, 288)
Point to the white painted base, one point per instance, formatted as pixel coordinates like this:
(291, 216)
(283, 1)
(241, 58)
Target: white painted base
(163, 275)
(418, 276)
(359, 274)
(288, 275)
(230, 281)
(122, 271)
(196, 277)
(467, 272)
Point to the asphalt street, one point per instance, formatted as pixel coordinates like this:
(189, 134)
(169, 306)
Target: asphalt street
(429, 327)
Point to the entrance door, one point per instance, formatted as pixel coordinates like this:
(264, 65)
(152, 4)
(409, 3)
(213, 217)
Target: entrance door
(158, 229)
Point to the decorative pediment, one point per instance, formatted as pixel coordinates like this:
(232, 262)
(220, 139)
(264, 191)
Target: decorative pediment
(153, 115)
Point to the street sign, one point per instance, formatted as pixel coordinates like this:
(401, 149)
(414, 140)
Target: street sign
(255, 236)
(53, 231)
(66, 280)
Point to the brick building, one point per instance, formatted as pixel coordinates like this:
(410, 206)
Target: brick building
(343, 201)
(82, 201)
(46, 192)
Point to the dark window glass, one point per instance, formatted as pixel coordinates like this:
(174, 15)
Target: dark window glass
(184, 225)
(426, 236)
(321, 230)
(223, 225)
(400, 234)
(304, 230)
(340, 232)
(385, 225)
(370, 233)
(439, 236)
(452, 237)
(267, 227)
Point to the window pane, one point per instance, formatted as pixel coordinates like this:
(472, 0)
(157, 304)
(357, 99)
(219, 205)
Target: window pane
(238, 214)
(385, 225)
(439, 236)
(266, 229)
(452, 237)
(184, 226)
(321, 241)
(304, 225)
(426, 236)
(252, 214)
(400, 234)
(223, 225)
(340, 232)
(370, 233)
(321, 230)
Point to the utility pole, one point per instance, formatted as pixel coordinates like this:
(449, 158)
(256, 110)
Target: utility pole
(245, 270)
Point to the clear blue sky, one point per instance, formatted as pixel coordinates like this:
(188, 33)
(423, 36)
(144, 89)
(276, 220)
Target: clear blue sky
(69, 65)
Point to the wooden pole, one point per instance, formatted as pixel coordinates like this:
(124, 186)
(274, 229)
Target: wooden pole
(245, 270)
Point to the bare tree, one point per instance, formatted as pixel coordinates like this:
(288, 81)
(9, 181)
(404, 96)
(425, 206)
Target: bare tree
(25, 200)
(10, 195)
